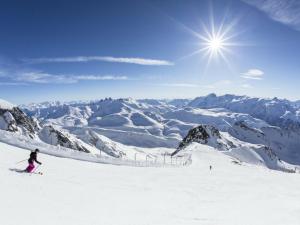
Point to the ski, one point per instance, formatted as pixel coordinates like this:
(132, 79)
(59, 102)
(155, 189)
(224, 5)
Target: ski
(37, 173)
(25, 172)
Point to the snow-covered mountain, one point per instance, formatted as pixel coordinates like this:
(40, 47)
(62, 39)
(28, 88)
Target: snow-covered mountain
(243, 151)
(14, 120)
(78, 142)
(274, 123)
(296, 104)
(277, 112)
(259, 131)
(124, 120)
(52, 136)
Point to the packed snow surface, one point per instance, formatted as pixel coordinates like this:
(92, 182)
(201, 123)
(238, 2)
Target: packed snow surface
(81, 193)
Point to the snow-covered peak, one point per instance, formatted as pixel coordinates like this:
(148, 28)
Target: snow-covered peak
(15, 120)
(206, 134)
(244, 152)
(148, 123)
(6, 105)
(274, 111)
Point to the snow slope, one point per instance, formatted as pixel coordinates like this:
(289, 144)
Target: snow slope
(244, 152)
(81, 193)
(131, 156)
(21, 130)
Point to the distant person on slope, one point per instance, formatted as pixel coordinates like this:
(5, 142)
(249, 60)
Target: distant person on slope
(31, 160)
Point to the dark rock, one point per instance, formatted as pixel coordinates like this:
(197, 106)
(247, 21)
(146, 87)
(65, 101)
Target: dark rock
(17, 118)
(62, 139)
(202, 134)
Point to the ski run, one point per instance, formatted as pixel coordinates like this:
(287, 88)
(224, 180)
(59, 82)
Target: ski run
(80, 193)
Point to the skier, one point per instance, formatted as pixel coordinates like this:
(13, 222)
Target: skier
(31, 160)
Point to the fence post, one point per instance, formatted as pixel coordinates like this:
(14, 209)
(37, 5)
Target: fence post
(164, 158)
(100, 153)
(135, 158)
(171, 160)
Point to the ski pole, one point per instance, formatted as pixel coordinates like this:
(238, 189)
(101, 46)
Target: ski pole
(21, 161)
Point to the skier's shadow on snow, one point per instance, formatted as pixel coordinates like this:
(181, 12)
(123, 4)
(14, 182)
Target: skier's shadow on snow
(17, 170)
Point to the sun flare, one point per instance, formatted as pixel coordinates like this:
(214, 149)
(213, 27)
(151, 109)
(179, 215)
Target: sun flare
(216, 39)
(215, 44)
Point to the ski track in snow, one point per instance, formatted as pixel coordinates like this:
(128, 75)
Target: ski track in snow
(82, 193)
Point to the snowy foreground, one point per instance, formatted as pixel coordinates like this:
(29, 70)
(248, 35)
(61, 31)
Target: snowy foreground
(83, 193)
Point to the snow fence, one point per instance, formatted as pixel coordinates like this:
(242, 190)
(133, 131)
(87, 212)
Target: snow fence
(140, 160)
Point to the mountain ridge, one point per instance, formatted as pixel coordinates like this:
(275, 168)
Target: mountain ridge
(111, 124)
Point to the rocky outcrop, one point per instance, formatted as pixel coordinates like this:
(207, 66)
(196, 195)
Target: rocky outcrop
(243, 152)
(14, 120)
(208, 135)
(55, 137)
(102, 143)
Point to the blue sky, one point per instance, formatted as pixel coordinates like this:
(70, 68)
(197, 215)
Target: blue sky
(80, 50)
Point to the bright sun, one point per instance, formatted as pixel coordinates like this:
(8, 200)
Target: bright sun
(215, 41)
(215, 44)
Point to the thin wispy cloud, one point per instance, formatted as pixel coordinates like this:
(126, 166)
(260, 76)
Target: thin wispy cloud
(11, 83)
(138, 61)
(37, 77)
(217, 84)
(186, 85)
(220, 83)
(44, 78)
(246, 86)
(284, 11)
(95, 77)
(253, 74)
